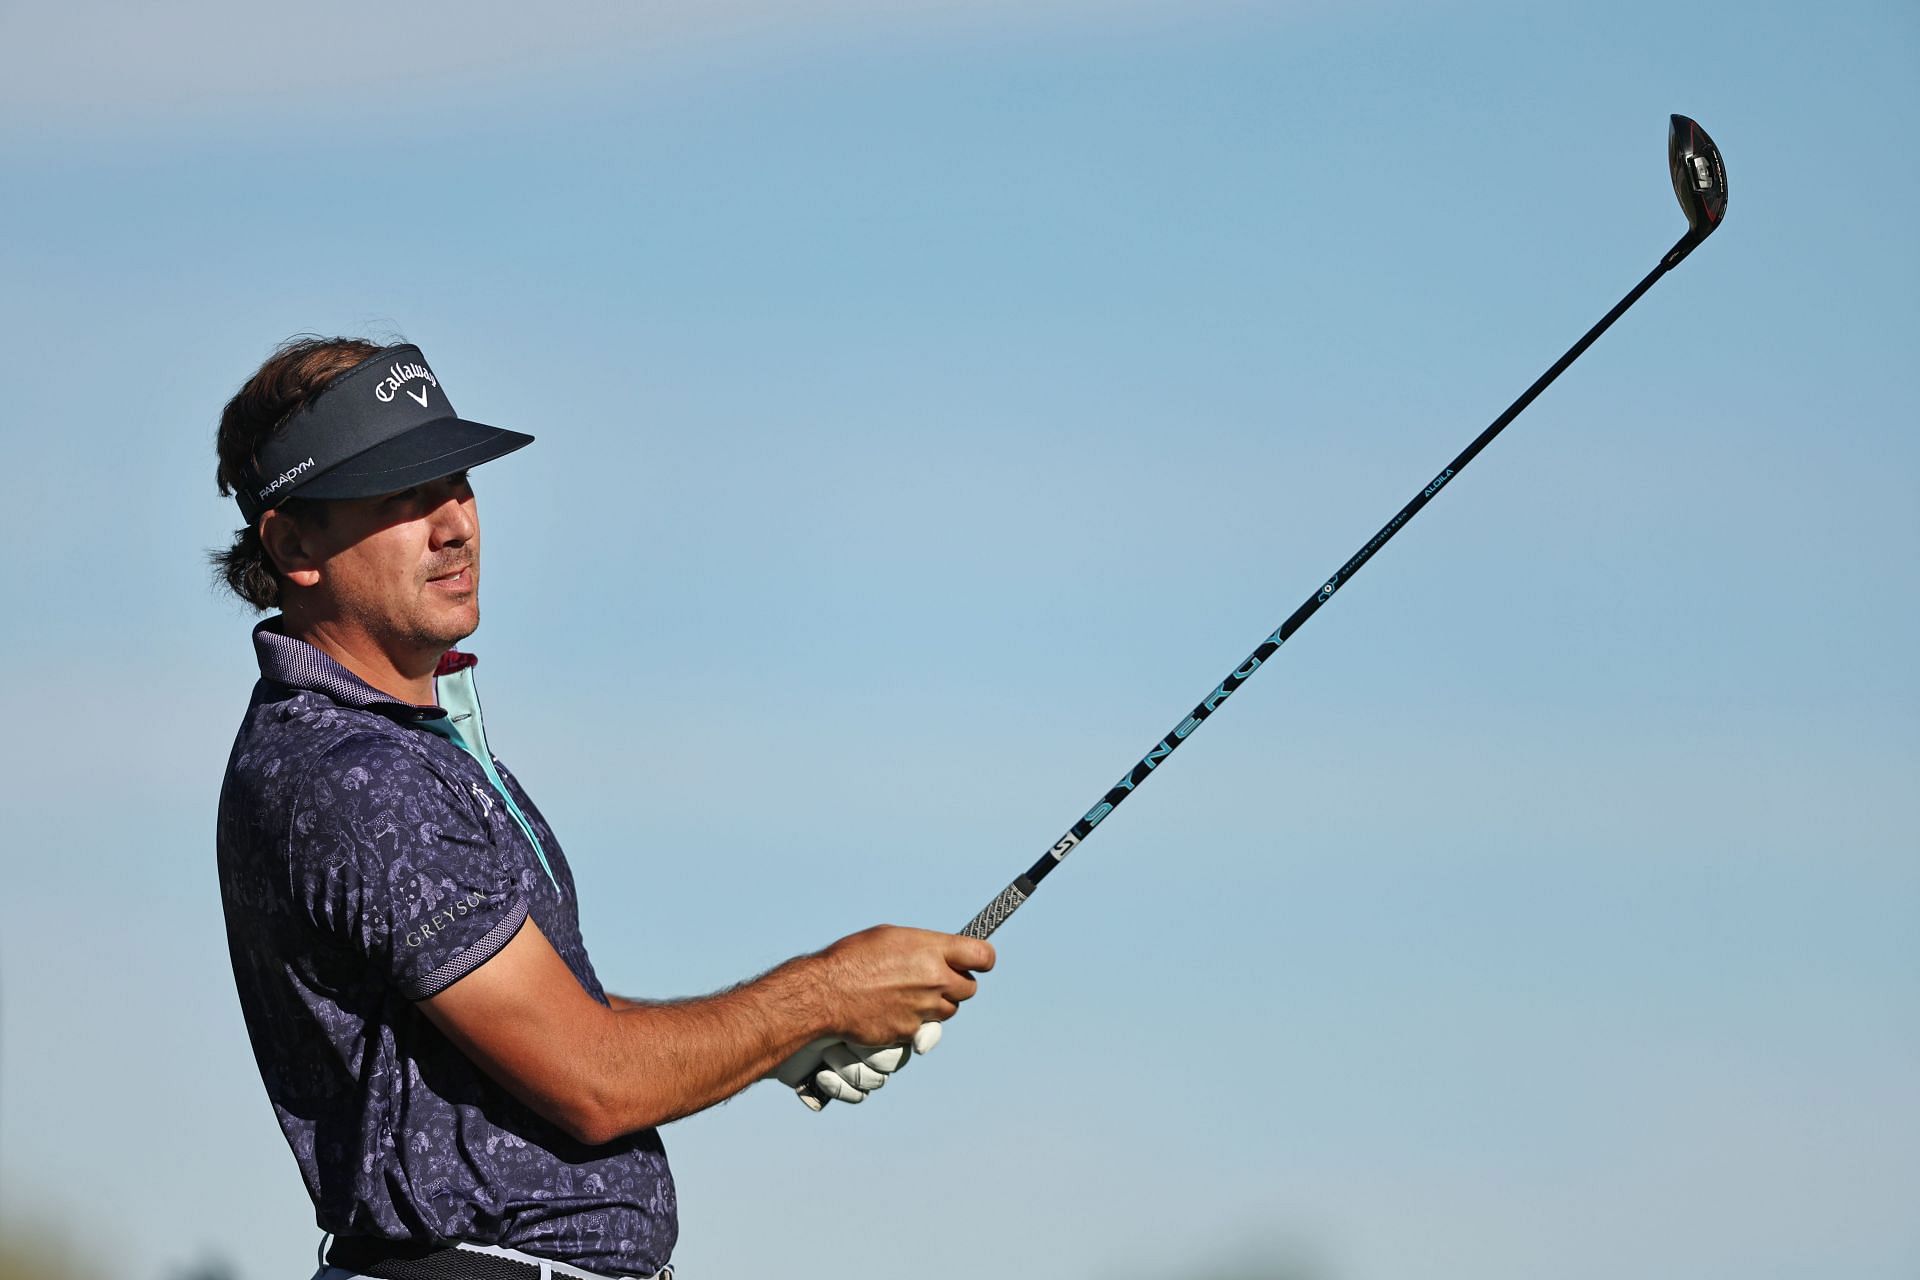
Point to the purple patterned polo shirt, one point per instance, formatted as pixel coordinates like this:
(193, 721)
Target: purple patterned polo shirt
(372, 853)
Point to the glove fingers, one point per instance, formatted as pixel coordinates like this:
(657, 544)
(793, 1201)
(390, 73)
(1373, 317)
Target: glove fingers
(831, 1084)
(848, 1073)
(843, 1060)
(885, 1059)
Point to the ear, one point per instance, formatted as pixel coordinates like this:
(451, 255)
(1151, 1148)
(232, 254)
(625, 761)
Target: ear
(291, 548)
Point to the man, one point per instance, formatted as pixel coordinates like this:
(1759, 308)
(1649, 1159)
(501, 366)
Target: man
(462, 1096)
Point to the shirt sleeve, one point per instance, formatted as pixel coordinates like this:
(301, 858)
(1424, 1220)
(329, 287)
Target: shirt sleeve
(391, 860)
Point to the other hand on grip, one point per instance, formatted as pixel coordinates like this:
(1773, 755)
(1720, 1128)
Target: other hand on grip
(834, 1071)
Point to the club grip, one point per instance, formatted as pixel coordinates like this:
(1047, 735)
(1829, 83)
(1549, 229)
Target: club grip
(995, 913)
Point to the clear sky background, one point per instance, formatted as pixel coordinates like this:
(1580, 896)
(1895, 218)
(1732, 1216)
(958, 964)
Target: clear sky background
(933, 401)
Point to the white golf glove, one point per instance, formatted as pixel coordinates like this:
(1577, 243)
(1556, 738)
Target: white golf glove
(833, 1070)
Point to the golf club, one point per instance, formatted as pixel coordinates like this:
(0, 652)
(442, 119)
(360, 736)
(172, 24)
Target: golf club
(1700, 182)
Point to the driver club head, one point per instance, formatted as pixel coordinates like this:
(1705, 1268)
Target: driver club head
(1699, 177)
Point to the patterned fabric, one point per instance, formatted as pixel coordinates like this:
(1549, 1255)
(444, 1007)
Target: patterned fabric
(367, 862)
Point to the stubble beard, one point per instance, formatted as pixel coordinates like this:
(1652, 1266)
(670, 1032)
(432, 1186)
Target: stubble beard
(421, 629)
(450, 626)
(443, 623)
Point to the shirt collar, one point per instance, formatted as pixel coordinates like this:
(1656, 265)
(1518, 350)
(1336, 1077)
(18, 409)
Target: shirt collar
(299, 665)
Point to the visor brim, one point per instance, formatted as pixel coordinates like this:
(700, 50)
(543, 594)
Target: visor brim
(428, 452)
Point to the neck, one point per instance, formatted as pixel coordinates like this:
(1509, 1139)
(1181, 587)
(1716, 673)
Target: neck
(406, 675)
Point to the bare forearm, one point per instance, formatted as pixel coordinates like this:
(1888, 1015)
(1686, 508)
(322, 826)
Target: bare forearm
(659, 1062)
(602, 1070)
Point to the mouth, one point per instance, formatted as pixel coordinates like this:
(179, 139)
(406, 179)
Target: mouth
(459, 580)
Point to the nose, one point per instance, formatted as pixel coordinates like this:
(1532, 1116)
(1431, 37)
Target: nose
(455, 520)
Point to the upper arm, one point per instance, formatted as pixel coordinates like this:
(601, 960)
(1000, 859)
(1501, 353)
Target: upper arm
(525, 1020)
(392, 862)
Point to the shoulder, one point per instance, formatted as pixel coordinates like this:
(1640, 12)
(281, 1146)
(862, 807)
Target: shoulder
(288, 733)
(316, 778)
(292, 735)
(391, 772)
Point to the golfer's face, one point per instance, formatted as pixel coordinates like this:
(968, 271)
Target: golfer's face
(406, 565)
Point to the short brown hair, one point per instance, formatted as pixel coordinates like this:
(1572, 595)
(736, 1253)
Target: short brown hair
(298, 370)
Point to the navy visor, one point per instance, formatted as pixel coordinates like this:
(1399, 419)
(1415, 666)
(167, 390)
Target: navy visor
(382, 426)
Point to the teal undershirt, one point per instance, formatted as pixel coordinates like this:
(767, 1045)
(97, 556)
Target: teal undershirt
(462, 727)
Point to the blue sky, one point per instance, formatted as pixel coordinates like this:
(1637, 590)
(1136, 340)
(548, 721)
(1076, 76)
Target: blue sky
(933, 402)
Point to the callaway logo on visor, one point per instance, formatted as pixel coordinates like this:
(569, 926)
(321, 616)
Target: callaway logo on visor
(397, 378)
